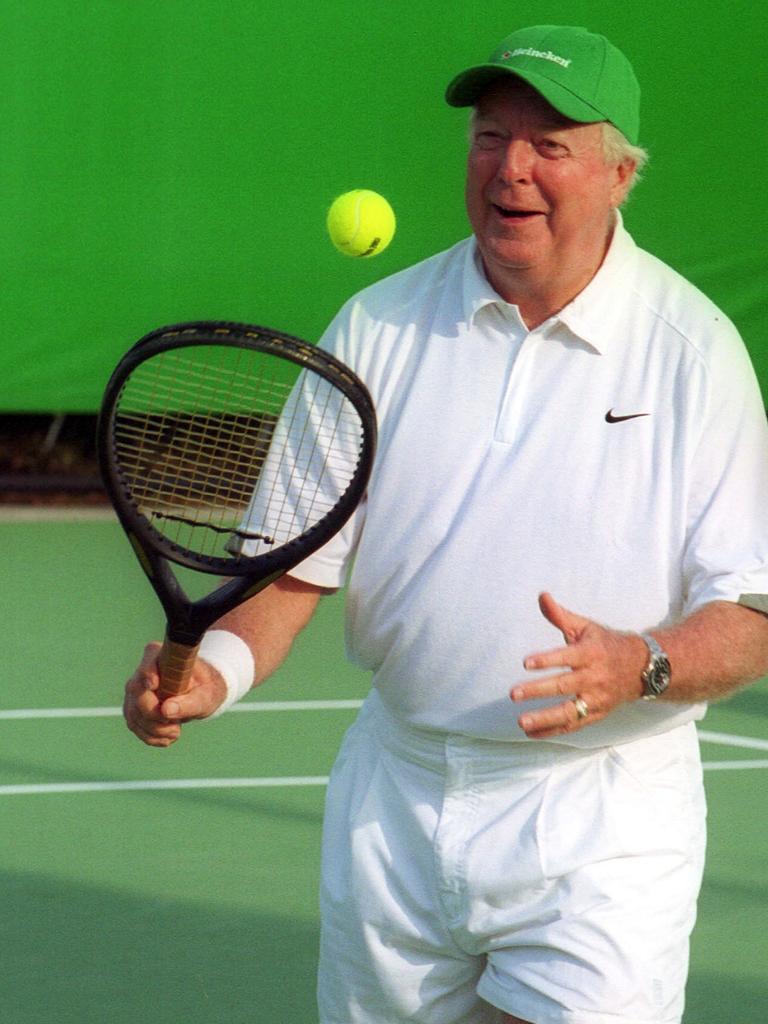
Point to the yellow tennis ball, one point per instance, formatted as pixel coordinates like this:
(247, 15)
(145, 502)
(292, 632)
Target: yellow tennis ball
(361, 223)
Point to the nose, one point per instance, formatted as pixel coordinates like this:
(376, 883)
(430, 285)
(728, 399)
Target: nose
(516, 162)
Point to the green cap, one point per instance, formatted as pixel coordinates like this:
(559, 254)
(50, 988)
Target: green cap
(582, 75)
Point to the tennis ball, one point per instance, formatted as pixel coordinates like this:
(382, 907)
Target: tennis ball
(361, 223)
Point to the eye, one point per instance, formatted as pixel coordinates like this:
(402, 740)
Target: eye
(488, 138)
(551, 148)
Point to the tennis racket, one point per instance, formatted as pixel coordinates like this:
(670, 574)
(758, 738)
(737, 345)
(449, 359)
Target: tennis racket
(231, 450)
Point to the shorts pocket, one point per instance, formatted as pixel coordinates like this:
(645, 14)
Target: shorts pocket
(635, 800)
(665, 775)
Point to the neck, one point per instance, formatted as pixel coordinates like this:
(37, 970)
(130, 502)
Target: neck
(538, 297)
(537, 291)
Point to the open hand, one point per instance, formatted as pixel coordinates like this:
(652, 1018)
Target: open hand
(602, 669)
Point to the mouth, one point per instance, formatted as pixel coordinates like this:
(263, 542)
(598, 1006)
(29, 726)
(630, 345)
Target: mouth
(516, 213)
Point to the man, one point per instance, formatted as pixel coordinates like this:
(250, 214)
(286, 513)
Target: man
(560, 414)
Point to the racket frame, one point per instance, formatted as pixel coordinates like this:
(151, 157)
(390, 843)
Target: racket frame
(187, 620)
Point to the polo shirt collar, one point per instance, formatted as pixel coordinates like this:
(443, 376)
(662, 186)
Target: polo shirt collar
(592, 316)
(479, 293)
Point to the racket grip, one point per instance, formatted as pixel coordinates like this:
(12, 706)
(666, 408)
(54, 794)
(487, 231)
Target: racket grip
(176, 662)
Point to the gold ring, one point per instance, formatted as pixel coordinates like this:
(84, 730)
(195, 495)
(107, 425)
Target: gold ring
(582, 708)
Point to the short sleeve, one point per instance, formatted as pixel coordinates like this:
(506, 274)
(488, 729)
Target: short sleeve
(726, 555)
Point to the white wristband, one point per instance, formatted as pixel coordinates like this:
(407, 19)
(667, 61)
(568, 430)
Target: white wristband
(231, 657)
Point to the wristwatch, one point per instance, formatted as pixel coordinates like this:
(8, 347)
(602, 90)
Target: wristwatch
(657, 672)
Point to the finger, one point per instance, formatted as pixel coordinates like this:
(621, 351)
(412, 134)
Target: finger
(141, 701)
(143, 709)
(556, 720)
(143, 684)
(572, 657)
(569, 623)
(564, 684)
(143, 716)
(182, 707)
(154, 739)
(155, 735)
(151, 730)
(205, 694)
(149, 670)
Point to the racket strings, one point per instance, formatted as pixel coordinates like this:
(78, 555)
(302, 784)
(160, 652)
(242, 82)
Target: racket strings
(225, 452)
(213, 448)
(331, 446)
(226, 468)
(319, 438)
(322, 438)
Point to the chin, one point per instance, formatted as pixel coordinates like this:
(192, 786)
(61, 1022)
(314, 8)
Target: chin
(508, 256)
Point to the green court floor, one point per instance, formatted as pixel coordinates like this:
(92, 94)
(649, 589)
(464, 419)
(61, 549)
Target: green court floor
(179, 886)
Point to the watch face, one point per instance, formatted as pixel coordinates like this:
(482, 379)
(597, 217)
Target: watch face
(656, 677)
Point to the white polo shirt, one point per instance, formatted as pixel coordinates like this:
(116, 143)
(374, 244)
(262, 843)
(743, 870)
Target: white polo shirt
(616, 456)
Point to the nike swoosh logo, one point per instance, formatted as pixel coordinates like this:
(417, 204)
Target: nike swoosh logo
(610, 418)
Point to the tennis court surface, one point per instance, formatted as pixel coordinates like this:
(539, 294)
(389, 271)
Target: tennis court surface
(179, 885)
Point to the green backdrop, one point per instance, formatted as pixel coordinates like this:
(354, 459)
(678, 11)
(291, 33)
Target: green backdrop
(166, 160)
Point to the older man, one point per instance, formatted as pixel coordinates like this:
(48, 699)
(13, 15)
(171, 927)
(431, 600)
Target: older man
(558, 412)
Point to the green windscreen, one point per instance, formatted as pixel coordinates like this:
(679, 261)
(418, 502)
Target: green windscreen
(175, 161)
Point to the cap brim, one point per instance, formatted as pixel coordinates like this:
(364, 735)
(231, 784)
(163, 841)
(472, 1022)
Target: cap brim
(468, 87)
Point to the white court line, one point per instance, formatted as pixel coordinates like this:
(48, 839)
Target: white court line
(282, 781)
(147, 784)
(715, 766)
(27, 714)
(727, 740)
(22, 714)
(56, 514)
(144, 785)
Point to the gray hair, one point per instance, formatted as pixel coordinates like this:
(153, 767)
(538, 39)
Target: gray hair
(617, 149)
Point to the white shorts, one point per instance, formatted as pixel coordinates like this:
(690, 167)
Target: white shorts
(461, 876)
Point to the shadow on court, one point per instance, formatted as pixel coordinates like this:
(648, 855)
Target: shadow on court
(87, 955)
(713, 998)
(91, 956)
(243, 801)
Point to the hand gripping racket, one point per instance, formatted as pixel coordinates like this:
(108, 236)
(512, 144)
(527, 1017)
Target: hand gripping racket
(232, 450)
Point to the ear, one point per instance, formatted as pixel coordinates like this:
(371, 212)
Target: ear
(623, 174)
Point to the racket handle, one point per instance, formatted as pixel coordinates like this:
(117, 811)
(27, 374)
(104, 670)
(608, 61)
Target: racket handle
(176, 663)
